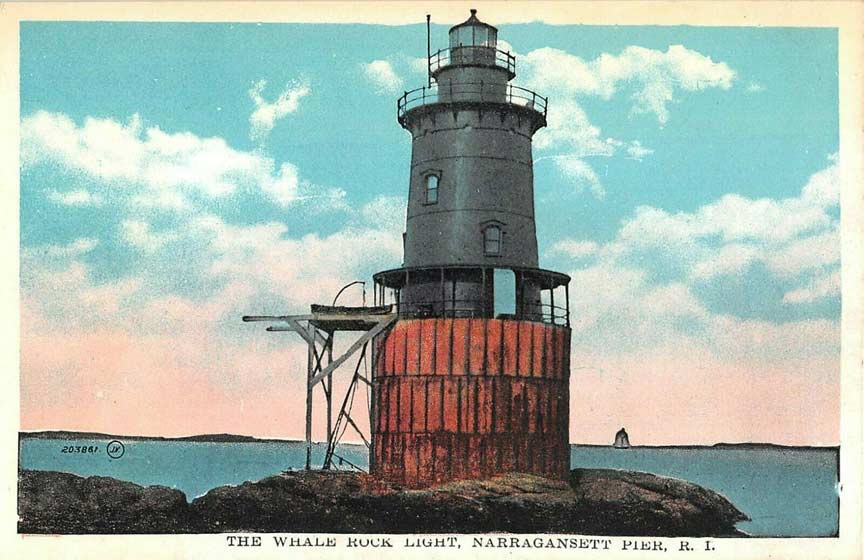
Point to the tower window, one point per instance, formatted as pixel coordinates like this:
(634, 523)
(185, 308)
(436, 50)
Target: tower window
(492, 240)
(431, 189)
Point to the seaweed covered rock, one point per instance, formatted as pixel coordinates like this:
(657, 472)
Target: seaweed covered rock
(594, 502)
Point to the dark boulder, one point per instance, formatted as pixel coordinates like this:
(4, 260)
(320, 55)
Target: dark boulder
(634, 503)
(593, 502)
(62, 503)
(299, 502)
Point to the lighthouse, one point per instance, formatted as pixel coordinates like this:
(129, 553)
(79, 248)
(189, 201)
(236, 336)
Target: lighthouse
(472, 377)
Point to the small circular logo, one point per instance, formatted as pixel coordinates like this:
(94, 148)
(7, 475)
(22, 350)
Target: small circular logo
(115, 449)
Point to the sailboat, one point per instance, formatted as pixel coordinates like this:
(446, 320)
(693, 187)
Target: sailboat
(622, 441)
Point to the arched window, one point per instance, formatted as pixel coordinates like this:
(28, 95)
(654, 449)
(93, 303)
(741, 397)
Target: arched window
(492, 240)
(431, 189)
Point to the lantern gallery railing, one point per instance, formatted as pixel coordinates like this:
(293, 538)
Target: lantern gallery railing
(472, 56)
(465, 291)
(473, 92)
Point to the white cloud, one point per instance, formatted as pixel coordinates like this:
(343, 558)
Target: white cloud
(618, 310)
(818, 288)
(795, 239)
(66, 298)
(569, 127)
(383, 76)
(387, 212)
(103, 148)
(580, 175)
(574, 249)
(109, 298)
(300, 270)
(76, 248)
(139, 234)
(656, 75)
(154, 168)
(812, 252)
(162, 199)
(76, 197)
(227, 269)
(264, 118)
(823, 187)
(729, 259)
(637, 151)
(736, 218)
(284, 189)
(418, 65)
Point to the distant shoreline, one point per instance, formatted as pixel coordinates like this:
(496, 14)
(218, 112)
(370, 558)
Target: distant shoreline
(214, 438)
(721, 445)
(234, 438)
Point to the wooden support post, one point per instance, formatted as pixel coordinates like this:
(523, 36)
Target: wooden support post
(310, 360)
(357, 429)
(360, 342)
(271, 318)
(373, 354)
(329, 391)
(343, 411)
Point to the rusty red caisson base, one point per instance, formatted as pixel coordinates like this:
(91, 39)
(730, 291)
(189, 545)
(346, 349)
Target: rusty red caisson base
(468, 398)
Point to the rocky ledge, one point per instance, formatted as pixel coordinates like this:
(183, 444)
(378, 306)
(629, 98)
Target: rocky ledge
(593, 502)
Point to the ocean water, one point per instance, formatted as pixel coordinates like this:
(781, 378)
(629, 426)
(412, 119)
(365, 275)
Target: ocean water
(786, 492)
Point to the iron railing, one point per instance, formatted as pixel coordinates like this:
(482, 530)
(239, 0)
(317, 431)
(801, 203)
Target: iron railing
(546, 308)
(474, 308)
(471, 92)
(472, 55)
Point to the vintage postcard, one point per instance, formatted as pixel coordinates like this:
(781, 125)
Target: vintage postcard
(481, 279)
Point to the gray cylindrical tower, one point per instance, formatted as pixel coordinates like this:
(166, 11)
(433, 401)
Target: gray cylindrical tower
(471, 195)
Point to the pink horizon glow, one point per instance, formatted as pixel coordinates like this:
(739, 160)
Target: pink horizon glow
(112, 382)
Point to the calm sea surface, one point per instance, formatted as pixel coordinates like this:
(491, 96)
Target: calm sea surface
(787, 492)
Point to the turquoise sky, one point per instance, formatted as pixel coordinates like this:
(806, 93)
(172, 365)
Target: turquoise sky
(702, 219)
(195, 77)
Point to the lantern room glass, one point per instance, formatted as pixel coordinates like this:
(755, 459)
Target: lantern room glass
(473, 36)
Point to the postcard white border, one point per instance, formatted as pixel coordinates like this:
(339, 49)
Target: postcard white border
(847, 17)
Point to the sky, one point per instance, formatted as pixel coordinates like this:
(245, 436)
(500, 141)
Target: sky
(175, 177)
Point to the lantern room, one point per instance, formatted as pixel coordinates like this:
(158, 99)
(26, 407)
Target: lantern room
(473, 33)
(473, 44)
